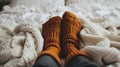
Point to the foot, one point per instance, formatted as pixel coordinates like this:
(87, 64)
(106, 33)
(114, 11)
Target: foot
(70, 28)
(51, 36)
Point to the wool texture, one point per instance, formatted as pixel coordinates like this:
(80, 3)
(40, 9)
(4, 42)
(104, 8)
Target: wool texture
(103, 55)
(51, 35)
(70, 27)
(101, 20)
(19, 45)
(8, 45)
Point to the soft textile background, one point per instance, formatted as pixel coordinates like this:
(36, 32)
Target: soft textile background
(21, 21)
(39, 3)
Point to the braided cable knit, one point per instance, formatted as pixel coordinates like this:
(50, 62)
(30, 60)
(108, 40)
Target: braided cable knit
(7, 41)
(33, 42)
(20, 47)
(103, 55)
(35, 32)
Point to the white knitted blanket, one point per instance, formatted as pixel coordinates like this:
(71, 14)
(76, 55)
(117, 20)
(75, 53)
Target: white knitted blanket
(21, 40)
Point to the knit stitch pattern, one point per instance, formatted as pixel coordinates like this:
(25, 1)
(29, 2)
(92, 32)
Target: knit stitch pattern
(19, 45)
(103, 55)
(101, 21)
(71, 26)
(51, 35)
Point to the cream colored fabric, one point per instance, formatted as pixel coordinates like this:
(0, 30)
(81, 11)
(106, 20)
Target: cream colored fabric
(103, 55)
(20, 46)
(101, 30)
(102, 45)
(68, 2)
(41, 4)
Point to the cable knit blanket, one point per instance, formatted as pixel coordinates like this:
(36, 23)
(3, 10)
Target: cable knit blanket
(21, 40)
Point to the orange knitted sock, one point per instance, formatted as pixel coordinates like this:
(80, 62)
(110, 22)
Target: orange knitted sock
(51, 35)
(70, 27)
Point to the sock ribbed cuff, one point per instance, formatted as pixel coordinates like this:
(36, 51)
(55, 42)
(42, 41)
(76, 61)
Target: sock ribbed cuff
(71, 26)
(51, 35)
(70, 38)
(51, 41)
(71, 51)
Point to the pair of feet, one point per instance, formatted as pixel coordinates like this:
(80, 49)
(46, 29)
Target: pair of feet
(61, 35)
